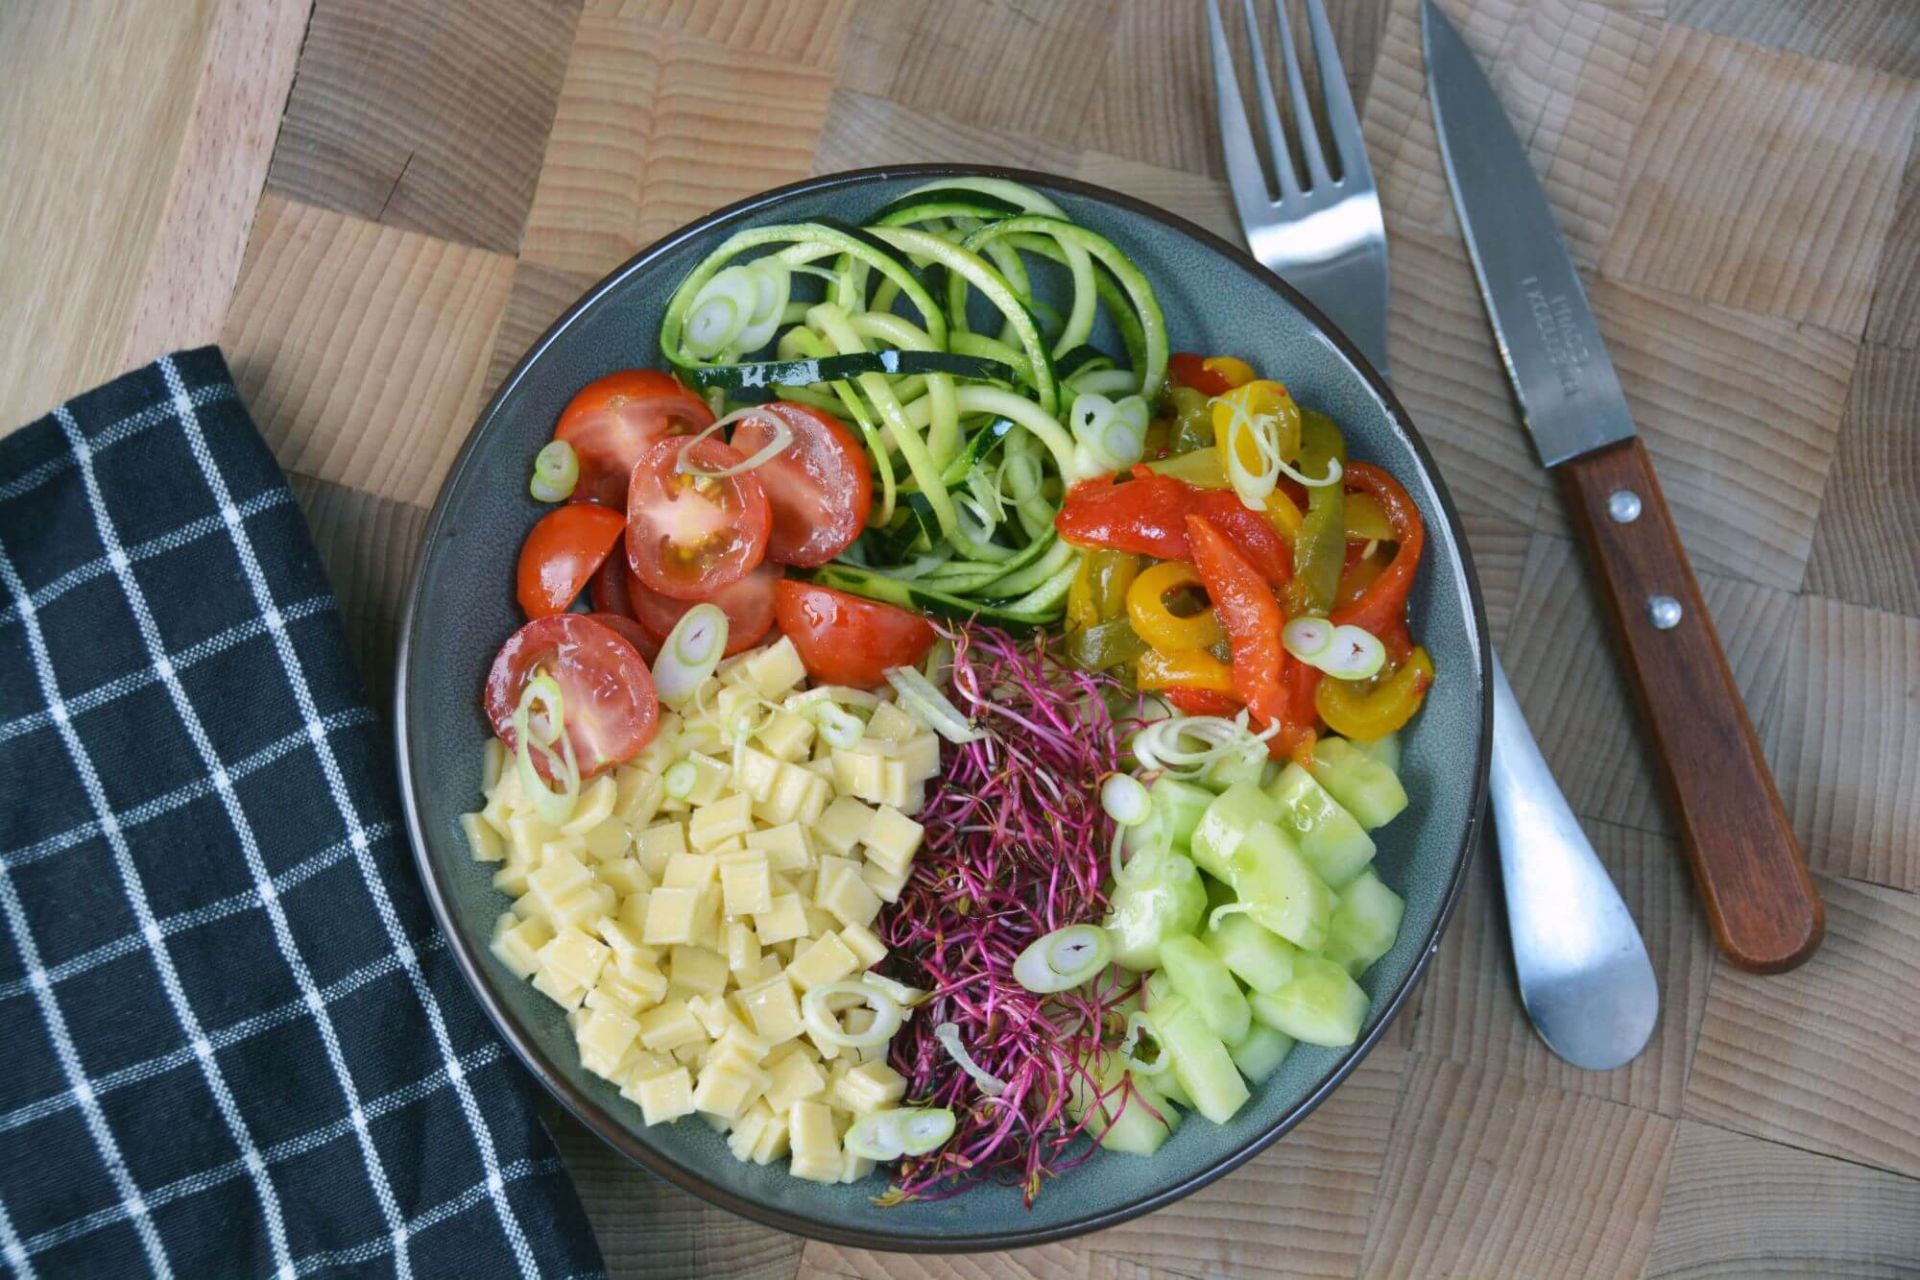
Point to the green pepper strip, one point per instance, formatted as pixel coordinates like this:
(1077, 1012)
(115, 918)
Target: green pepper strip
(1320, 548)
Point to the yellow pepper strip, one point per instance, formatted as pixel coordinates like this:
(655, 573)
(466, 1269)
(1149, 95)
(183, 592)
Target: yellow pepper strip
(1365, 521)
(1236, 371)
(1161, 627)
(1283, 514)
(1200, 468)
(1183, 669)
(1255, 400)
(1081, 612)
(1353, 710)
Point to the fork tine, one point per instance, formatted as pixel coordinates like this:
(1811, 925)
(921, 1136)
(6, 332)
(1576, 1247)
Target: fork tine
(1297, 93)
(1343, 122)
(1270, 109)
(1249, 185)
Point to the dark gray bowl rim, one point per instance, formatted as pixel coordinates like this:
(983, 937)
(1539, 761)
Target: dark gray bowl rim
(589, 1112)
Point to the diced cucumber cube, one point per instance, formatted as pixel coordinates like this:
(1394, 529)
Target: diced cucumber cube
(1366, 920)
(1206, 984)
(1279, 889)
(1177, 807)
(1225, 824)
(1159, 894)
(1248, 766)
(1122, 1121)
(1331, 839)
(1364, 787)
(1386, 750)
(1219, 894)
(1254, 953)
(1201, 1063)
(1260, 1052)
(1322, 1005)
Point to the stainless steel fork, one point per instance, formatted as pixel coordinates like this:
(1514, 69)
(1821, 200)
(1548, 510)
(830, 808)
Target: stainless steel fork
(1326, 237)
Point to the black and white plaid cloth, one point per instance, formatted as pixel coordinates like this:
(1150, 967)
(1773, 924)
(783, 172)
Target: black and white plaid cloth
(231, 1041)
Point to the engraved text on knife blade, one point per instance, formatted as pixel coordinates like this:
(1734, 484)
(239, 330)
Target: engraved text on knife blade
(1566, 348)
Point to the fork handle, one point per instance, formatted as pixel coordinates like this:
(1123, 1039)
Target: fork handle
(1748, 868)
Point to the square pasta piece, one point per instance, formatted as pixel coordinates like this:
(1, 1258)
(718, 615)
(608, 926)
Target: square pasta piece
(670, 916)
(825, 959)
(723, 820)
(786, 920)
(794, 1078)
(664, 1097)
(843, 825)
(746, 884)
(787, 846)
(696, 970)
(786, 736)
(815, 1140)
(771, 1009)
(654, 845)
(892, 838)
(516, 943)
(670, 1026)
(575, 955)
(604, 1039)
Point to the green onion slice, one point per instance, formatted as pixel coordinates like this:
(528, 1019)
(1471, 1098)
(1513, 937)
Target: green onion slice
(838, 727)
(556, 470)
(918, 695)
(679, 779)
(948, 1034)
(691, 652)
(533, 733)
(1308, 638)
(1125, 800)
(899, 1131)
(1136, 1023)
(824, 1021)
(1063, 959)
(1354, 654)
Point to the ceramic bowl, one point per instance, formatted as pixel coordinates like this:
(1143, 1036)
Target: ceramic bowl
(461, 607)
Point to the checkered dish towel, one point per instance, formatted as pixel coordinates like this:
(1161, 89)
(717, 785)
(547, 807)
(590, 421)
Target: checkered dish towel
(231, 1040)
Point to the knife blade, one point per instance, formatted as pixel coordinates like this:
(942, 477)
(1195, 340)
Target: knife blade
(1747, 866)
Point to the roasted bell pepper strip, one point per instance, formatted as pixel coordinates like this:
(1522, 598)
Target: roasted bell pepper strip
(1143, 514)
(1201, 702)
(1251, 532)
(1357, 574)
(1099, 588)
(1399, 643)
(1158, 625)
(1385, 601)
(1366, 522)
(1320, 547)
(1183, 669)
(1262, 399)
(1186, 369)
(1103, 645)
(1368, 710)
(1236, 371)
(1198, 467)
(1249, 613)
(1296, 736)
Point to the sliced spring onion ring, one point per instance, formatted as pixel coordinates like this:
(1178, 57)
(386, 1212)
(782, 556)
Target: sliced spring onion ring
(679, 779)
(531, 734)
(722, 308)
(1307, 638)
(782, 438)
(1334, 472)
(1110, 435)
(1137, 1022)
(1354, 654)
(556, 470)
(948, 1034)
(1225, 909)
(918, 695)
(838, 727)
(824, 1022)
(899, 1131)
(1161, 745)
(1125, 800)
(691, 652)
(1063, 959)
(773, 285)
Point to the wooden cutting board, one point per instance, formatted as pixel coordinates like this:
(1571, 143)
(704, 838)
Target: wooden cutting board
(375, 205)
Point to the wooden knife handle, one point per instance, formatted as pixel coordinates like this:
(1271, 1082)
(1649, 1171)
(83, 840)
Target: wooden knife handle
(1752, 878)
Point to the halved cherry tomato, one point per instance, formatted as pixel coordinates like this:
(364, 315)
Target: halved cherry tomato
(561, 552)
(1251, 532)
(610, 418)
(632, 632)
(690, 534)
(1145, 514)
(747, 603)
(1186, 369)
(844, 639)
(610, 708)
(817, 486)
(610, 585)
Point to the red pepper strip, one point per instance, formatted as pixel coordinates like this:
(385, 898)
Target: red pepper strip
(1201, 702)
(1296, 737)
(1143, 515)
(1385, 600)
(1252, 617)
(1189, 370)
(1399, 643)
(1251, 533)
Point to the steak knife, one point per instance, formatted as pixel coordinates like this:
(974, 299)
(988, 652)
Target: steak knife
(1747, 867)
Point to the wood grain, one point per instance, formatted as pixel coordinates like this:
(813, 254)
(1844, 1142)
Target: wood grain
(1490, 1175)
(1895, 317)
(808, 32)
(1763, 180)
(1843, 739)
(1823, 1057)
(861, 130)
(368, 546)
(1866, 33)
(360, 348)
(425, 116)
(1737, 1208)
(1499, 550)
(1466, 1012)
(1866, 546)
(1046, 1262)
(539, 296)
(1154, 97)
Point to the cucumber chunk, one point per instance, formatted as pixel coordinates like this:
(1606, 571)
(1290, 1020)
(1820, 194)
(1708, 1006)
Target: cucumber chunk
(1225, 824)
(1322, 1005)
(1260, 1052)
(1201, 1063)
(1249, 766)
(1119, 1120)
(1364, 787)
(1385, 750)
(1366, 920)
(1177, 807)
(1254, 953)
(1158, 895)
(1331, 839)
(1207, 986)
(1279, 889)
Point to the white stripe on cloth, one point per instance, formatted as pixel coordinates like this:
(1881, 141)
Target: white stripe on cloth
(134, 681)
(206, 1179)
(173, 540)
(181, 921)
(187, 792)
(336, 785)
(125, 429)
(56, 1022)
(12, 1252)
(130, 881)
(245, 1029)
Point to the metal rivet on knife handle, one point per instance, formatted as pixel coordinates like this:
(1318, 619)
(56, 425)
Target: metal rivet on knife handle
(1624, 506)
(1663, 612)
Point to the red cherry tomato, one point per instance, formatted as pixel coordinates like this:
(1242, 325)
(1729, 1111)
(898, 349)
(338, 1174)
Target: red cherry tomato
(632, 632)
(688, 534)
(610, 586)
(817, 487)
(611, 710)
(609, 420)
(748, 605)
(1189, 370)
(844, 639)
(561, 552)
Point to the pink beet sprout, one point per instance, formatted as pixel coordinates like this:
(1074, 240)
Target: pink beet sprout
(1016, 846)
